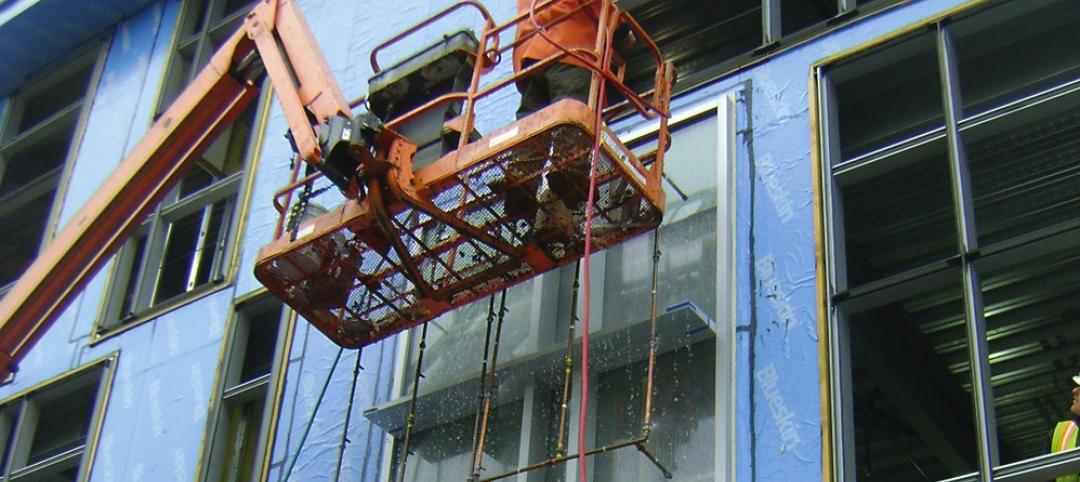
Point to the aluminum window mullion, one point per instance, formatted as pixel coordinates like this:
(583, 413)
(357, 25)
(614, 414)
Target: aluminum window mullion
(964, 208)
(843, 412)
(209, 195)
(978, 351)
(160, 249)
(842, 406)
(142, 298)
(771, 28)
(219, 261)
(30, 191)
(24, 434)
(200, 245)
(833, 208)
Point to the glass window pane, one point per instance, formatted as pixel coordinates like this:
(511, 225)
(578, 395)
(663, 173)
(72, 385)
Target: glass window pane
(1014, 50)
(455, 341)
(690, 163)
(898, 214)
(131, 269)
(241, 441)
(213, 242)
(445, 452)
(36, 160)
(912, 405)
(1031, 302)
(1025, 169)
(693, 34)
(683, 436)
(25, 227)
(234, 6)
(61, 94)
(181, 238)
(891, 94)
(195, 180)
(194, 18)
(687, 271)
(799, 14)
(63, 423)
(261, 341)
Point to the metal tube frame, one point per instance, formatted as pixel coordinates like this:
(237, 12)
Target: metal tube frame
(646, 431)
(490, 385)
(411, 418)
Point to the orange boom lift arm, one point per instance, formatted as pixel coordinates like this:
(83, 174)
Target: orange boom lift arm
(274, 41)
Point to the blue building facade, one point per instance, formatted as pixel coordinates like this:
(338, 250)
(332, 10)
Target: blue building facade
(177, 365)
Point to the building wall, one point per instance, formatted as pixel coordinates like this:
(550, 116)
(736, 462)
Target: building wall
(156, 417)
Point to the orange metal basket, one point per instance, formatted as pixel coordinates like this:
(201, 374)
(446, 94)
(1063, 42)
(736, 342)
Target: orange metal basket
(493, 213)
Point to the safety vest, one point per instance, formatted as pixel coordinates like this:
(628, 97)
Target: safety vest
(1065, 439)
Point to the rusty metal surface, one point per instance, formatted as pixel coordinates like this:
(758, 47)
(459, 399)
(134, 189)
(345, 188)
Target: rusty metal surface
(528, 197)
(495, 212)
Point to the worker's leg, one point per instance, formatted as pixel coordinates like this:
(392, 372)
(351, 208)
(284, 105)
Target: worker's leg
(568, 82)
(534, 92)
(570, 181)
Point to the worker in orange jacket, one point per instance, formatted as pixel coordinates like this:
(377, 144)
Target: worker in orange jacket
(569, 78)
(558, 197)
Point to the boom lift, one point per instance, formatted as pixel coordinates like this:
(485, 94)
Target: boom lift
(416, 235)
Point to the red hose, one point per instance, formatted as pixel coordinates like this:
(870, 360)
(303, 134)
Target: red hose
(583, 410)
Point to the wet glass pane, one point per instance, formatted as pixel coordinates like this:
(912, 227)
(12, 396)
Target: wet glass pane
(687, 271)
(898, 213)
(687, 238)
(911, 393)
(690, 167)
(888, 95)
(1025, 169)
(1014, 50)
(1032, 299)
(683, 417)
(446, 452)
(455, 341)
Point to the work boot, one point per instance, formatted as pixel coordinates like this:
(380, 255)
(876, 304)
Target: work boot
(570, 182)
(554, 221)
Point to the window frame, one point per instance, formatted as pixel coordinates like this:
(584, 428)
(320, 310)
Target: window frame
(28, 408)
(832, 287)
(723, 108)
(774, 41)
(239, 185)
(94, 55)
(230, 362)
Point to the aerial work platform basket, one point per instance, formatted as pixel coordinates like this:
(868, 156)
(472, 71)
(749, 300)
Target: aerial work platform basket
(435, 219)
